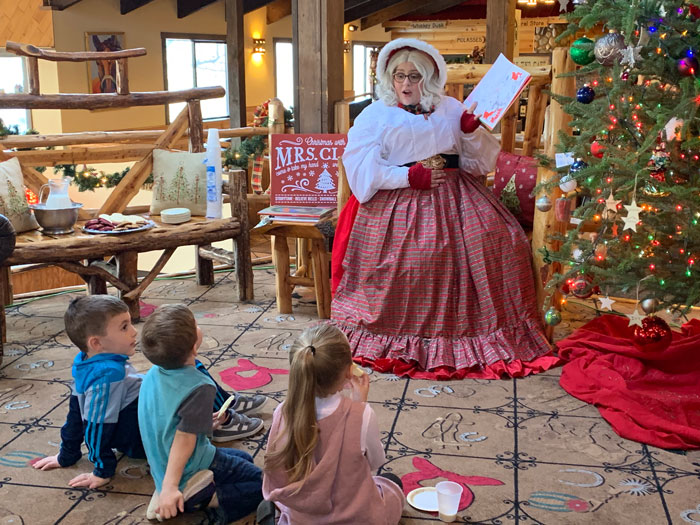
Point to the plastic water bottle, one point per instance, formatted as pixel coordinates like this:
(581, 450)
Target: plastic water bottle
(213, 162)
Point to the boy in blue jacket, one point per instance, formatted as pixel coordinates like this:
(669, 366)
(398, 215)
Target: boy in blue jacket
(104, 402)
(103, 407)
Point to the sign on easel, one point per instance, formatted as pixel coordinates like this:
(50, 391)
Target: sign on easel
(304, 169)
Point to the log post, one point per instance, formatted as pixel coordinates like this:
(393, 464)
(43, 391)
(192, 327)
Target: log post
(545, 223)
(319, 259)
(280, 251)
(33, 74)
(122, 77)
(127, 269)
(342, 116)
(196, 134)
(96, 285)
(531, 120)
(205, 267)
(239, 208)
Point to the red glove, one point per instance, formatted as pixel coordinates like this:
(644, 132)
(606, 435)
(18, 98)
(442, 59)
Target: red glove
(419, 177)
(468, 122)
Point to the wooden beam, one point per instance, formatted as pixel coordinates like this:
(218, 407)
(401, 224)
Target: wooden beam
(107, 100)
(277, 10)
(436, 6)
(403, 8)
(28, 50)
(106, 137)
(187, 7)
(82, 155)
(235, 63)
(363, 9)
(318, 49)
(473, 73)
(252, 5)
(59, 5)
(500, 29)
(126, 6)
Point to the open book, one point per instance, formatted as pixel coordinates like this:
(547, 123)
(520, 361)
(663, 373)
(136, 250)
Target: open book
(496, 92)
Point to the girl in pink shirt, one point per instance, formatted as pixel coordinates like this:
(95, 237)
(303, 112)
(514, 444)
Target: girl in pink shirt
(324, 446)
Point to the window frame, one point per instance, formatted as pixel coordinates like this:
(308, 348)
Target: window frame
(25, 81)
(275, 41)
(194, 37)
(365, 43)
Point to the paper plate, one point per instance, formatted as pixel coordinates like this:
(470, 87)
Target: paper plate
(423, 498)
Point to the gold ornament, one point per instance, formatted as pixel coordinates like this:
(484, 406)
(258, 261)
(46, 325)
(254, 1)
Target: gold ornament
(436, 162)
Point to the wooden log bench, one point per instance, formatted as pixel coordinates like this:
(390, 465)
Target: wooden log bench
(91, 255)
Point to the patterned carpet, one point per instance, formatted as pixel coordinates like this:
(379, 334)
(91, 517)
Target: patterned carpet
(526, 451)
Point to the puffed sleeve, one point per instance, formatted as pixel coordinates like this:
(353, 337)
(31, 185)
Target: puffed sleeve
(366, 170)
(478, 152)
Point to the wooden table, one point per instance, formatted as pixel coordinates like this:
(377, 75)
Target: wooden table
(313, 262)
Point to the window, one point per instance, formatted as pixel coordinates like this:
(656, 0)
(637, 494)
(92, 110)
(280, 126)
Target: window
(361, 79)
(284, 72)
(14, 80)
(196, 62)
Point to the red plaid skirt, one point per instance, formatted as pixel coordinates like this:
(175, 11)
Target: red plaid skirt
(439, 284)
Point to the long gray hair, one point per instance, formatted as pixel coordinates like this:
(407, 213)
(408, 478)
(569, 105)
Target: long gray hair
(431, 90)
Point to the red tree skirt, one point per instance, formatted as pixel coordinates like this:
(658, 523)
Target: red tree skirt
(497, 370)
(649, 397)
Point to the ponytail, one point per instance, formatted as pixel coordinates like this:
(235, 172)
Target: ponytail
(318, 359)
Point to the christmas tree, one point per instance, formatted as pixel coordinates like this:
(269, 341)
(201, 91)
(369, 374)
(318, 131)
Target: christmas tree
(637, 157)
(325, 181)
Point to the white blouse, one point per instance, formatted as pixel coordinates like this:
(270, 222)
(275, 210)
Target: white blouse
(384, 138)
(370, 444)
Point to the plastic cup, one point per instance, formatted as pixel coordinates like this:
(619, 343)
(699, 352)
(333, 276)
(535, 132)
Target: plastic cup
(448, 496)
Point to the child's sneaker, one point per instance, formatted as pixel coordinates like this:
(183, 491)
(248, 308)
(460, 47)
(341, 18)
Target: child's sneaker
(198, 492)
(238, 427)
(243, 404)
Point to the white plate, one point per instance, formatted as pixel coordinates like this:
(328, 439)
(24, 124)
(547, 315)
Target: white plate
(423, 498)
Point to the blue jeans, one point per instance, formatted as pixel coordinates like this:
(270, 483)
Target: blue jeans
(238, 482)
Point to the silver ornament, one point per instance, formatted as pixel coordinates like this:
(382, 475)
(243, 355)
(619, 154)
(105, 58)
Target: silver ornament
(650, 305)
(543, 203)
(608, 48)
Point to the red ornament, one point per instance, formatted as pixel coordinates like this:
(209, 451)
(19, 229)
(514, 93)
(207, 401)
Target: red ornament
(582, 287)
(694, 11)
(659, 175)
(597, 149)
(653, 336)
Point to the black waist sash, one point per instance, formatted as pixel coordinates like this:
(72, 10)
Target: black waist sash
(451, 161)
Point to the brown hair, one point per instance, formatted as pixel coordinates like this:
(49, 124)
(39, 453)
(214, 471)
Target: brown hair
(168, 336)
(89, 315)
(319, 357)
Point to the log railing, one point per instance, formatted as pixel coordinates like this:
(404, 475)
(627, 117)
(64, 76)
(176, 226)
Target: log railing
(185, 131)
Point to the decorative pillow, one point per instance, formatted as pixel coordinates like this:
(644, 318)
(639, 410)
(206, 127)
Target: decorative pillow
(13, 202)
(515, 178)
(179, 181)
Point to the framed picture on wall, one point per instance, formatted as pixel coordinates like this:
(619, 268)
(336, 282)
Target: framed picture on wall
(102, 74)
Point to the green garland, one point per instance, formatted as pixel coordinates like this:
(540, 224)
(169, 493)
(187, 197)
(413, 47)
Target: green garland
(253, 146)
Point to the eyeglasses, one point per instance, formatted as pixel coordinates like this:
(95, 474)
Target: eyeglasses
(413, 78)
